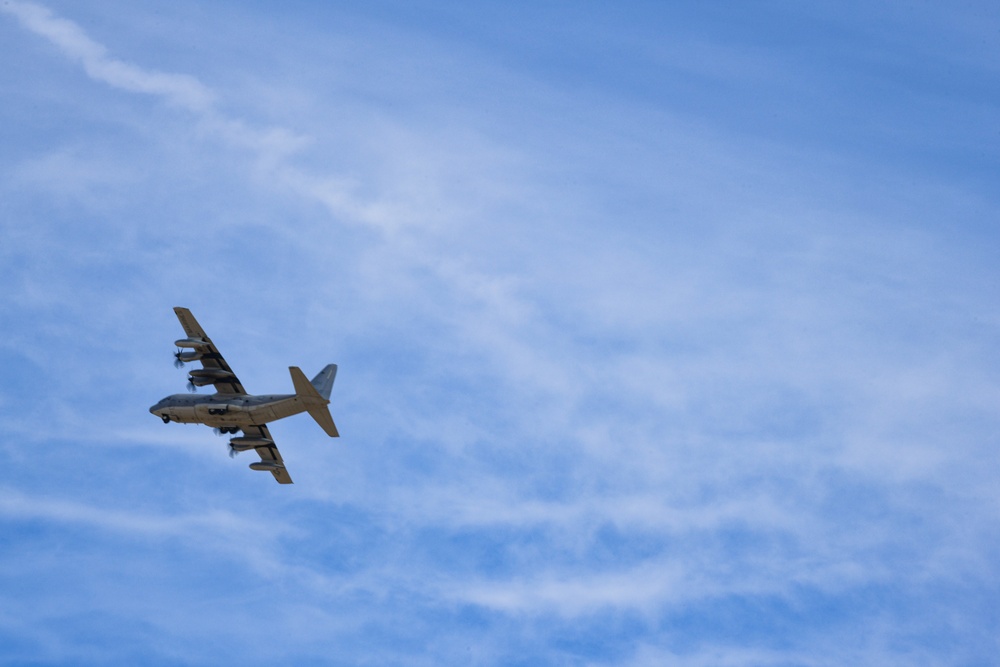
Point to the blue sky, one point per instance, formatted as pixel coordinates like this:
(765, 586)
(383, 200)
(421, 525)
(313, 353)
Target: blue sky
(667, 332)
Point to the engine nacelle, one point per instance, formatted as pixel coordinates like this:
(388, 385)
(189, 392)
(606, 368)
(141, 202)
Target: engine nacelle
(200, 377)
(191, 342)
(242, 444)
(214, 374)
(185, 357)
(267, 466)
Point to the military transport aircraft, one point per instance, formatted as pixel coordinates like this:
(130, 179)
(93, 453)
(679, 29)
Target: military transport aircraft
(231, 410)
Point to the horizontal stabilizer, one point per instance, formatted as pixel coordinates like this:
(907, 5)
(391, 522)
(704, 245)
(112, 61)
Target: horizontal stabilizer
(303, 388)
(325, 421)
(316, 403)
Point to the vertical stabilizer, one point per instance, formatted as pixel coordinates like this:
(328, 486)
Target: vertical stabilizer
(324, 380)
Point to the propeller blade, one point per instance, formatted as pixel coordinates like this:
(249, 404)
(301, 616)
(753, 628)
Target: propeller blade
(193, 389)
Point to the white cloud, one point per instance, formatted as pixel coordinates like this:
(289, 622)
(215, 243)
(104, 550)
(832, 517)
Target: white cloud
(631, 333)
(178, 89)
(221, 526)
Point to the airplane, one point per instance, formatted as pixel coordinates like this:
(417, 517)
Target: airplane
(231, 409)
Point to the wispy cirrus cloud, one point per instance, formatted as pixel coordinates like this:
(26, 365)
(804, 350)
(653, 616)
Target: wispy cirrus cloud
(271, 146)
(240, 540)
(178, 89)
(603, 367)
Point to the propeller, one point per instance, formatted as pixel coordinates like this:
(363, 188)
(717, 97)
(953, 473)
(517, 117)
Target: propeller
(177, 360)
(233, 452)
(191, 387)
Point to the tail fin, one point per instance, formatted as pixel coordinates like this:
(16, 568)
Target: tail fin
(324, 380)
(315, 401)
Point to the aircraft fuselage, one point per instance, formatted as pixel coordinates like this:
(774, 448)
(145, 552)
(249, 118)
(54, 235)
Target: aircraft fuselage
(220, 410)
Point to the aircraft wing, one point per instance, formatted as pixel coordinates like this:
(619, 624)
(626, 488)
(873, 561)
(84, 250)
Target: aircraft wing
(211, 359)
(269, 453)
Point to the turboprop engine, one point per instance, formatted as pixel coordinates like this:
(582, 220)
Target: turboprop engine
(242, 444)
(267, 466)
(191, 342)
(185, 357)
(200, 377)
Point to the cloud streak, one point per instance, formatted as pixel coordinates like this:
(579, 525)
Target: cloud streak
(179, 90)
(605, 371)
